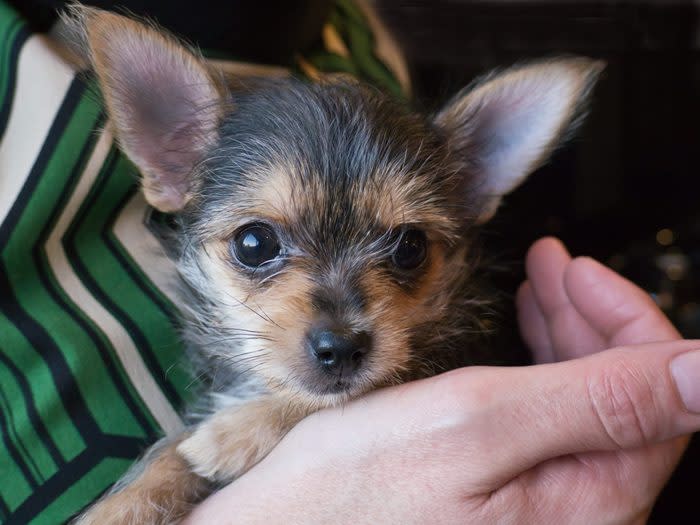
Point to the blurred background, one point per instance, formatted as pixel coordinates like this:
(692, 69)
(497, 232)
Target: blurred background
(625, 191)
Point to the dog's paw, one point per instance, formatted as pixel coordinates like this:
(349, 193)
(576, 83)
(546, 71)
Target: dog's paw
(231, 441)
(220, 454)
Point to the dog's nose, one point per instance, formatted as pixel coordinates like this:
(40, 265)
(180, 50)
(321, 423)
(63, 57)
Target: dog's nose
(339, 352)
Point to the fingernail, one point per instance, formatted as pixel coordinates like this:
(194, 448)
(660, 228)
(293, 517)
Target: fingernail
(685, 370)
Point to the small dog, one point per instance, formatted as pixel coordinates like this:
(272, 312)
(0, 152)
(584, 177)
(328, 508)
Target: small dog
(326, 234)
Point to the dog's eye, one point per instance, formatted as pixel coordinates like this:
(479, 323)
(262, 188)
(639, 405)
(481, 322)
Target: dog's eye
(255, 244)
(410, 249)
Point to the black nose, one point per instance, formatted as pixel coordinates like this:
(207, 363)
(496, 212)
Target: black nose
(339, 352)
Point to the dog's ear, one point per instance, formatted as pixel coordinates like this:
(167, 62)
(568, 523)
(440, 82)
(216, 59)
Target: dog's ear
(507, 125)
(164, 103)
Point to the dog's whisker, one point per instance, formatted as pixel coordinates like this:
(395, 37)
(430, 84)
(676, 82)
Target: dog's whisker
(324, 234)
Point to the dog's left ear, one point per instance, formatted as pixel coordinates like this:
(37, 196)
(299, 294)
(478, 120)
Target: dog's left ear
(163, 101)
(507, 126)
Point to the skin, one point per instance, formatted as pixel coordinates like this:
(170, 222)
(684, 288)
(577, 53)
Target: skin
(588, 435)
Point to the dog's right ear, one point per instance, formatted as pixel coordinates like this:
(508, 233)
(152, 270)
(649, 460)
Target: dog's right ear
(163, 101)
(508, 124)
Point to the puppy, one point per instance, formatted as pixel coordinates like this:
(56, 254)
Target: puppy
(325, 234)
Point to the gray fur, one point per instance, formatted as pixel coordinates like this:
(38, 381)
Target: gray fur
(340, 138)
(348, 159)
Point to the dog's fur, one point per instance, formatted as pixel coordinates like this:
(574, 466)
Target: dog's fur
(337, 171)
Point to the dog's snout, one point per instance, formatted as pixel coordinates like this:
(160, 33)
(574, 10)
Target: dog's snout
(339, 352)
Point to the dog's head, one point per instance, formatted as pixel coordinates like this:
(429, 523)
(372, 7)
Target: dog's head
(323, 224)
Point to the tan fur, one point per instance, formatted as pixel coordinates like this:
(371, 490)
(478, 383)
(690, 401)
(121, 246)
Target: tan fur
(394, 312)
(234, 439)
(164, 493)
(394, 203)
(279, 194)
(283, 312)
(258, 326)
(274, 195)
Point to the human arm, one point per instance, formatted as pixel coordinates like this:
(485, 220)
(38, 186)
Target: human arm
(591, 440)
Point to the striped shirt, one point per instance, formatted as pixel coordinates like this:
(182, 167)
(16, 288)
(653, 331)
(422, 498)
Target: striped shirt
(91, 368)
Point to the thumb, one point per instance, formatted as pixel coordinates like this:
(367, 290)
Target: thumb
(619, 399)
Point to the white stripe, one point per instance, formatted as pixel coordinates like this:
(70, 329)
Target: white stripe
(127, 351)
(144, 248)
(42, 82)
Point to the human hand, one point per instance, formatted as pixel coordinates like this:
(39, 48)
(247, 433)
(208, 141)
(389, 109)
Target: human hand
(566, 442)
(572, 308)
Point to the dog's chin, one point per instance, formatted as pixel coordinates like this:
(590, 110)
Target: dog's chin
(332, 391)
(335, 392)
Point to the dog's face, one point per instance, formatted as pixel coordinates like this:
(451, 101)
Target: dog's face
(327, 224)
(324, 225)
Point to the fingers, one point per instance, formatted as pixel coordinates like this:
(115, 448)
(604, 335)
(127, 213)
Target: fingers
(613, 306)
(582, 306)
(616, 400)
(570, 335)
(545, 264)
(533, 326)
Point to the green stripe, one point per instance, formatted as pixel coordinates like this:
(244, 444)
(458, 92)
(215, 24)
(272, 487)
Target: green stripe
(176, 372)
(169, 307)
(8, 17)
(10, 25)
(83, 492)
(125, 288)
(355, 31)
(18, 490)
(44, 393)
(20, 430)
(101, 396)
(118, 285)
(78, 349)
(8, 33)
(332, 63)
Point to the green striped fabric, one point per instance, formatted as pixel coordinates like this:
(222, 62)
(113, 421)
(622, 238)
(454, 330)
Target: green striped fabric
(348, 21)
(91, 369)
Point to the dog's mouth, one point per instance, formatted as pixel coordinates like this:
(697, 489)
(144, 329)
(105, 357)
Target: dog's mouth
(332, 385)
(334, 388)
(340, 386)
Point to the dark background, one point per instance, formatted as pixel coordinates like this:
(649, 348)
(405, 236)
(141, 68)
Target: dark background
(630, 173)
